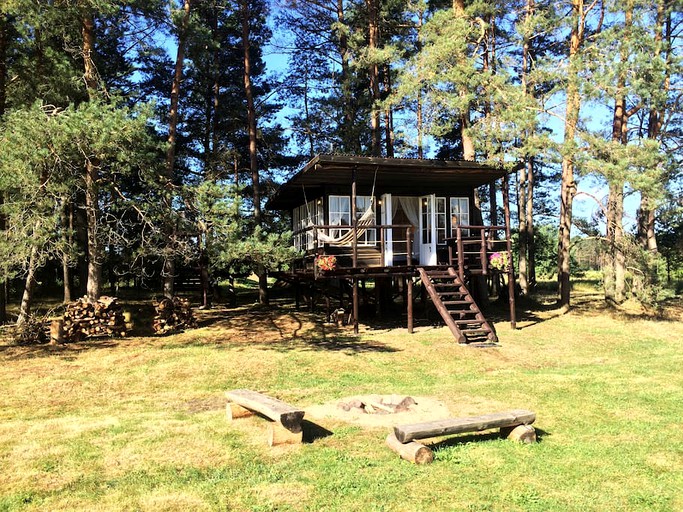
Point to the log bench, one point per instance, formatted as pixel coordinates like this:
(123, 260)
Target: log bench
(514, 425)
(285, 420)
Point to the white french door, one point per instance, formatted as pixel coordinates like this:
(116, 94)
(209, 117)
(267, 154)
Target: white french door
(428, 230)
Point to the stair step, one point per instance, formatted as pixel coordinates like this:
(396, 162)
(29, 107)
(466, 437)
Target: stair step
(474, 331)
(469, 322)
(456, 302)
(462, 312)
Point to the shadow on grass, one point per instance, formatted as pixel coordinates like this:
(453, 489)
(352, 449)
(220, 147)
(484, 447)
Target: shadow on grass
(313, 432)
(477, 438)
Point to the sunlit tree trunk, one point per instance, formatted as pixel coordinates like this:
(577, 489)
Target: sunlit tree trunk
(4, 42)
(253, 154)
(646, 211)
(373, 44)
(468, 152)
(94, 249)
(168, 273)
(568, 185)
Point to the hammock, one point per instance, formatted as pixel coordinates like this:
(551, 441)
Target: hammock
(364, 222)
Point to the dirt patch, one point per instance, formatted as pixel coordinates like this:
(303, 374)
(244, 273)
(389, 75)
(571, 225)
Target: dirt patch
(424, 409)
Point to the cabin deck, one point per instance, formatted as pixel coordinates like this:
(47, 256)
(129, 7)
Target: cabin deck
(459, 261)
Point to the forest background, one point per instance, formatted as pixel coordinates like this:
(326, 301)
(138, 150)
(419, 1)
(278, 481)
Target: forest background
(140, 137)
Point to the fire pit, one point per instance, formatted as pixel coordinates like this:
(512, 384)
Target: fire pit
(378, 406)
(380, 410)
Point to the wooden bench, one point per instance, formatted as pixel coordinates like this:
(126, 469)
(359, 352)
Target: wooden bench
(514, 424)
(285, 426)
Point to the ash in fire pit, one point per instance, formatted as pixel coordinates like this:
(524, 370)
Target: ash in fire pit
(380, 406)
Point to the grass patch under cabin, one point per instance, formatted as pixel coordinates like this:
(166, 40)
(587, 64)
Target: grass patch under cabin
(139, 423)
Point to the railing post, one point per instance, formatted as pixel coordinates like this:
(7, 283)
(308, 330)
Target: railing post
(409, 246)
(482, 252)
(461, 254)
(381, 246)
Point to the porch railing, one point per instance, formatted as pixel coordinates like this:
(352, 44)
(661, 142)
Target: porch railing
(472, 247)
(402, 234)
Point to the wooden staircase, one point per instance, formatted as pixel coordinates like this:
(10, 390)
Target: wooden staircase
(453, 301)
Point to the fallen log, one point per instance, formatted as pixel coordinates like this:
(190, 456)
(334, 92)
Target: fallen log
(412, 451)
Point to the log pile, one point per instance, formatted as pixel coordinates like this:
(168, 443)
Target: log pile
(173, 315)
(83, 318)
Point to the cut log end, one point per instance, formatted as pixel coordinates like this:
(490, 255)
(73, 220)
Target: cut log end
(525, 434)
(413, 451)
(277, 435)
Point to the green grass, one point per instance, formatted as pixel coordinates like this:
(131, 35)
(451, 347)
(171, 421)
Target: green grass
(139, 424)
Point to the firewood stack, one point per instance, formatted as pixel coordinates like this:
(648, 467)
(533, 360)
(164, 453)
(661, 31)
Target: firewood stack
(173, 315)
(101, 318)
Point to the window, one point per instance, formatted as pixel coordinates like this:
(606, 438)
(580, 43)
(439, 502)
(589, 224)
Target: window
(340, 215)
(460, 213)
(303, 217)
(440, 220)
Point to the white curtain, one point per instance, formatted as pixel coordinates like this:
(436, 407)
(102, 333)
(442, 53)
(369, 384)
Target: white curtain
(411, 207)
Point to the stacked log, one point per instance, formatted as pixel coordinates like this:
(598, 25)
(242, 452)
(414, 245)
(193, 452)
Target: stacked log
(173, 315)
(83, 319)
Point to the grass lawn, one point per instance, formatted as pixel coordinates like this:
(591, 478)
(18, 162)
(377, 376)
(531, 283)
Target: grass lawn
(139, 423)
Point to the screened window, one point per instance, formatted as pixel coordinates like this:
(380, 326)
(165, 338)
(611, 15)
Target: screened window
(440, 220)
(340, 215)
(460, 213)
(303, 218)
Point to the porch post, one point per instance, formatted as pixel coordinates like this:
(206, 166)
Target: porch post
(409, 300)
(354, 245)
(508, 241)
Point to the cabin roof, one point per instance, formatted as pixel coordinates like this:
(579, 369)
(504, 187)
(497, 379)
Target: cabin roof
(399, 176)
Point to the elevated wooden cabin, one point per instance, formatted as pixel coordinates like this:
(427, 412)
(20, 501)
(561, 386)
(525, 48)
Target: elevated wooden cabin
(407, 218)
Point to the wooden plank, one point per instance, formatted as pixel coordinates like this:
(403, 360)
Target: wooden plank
(406, 433)
(277, 410)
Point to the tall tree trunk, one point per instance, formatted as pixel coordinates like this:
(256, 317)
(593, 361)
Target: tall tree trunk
(615, 270)
(251, 124)
(529, 225)
(373, 44)
(388, 114)
(68, 226)
(94, 250)
(418, 108)
(646, 212)
(568, 185)
(4, 42)
(468, 152)
(349, 138)
(525, 179)
(29, 286)
(169, 270)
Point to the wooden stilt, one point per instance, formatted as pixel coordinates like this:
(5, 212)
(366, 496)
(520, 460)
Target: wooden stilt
(409, 300)
(511, 268)
(355, 305)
